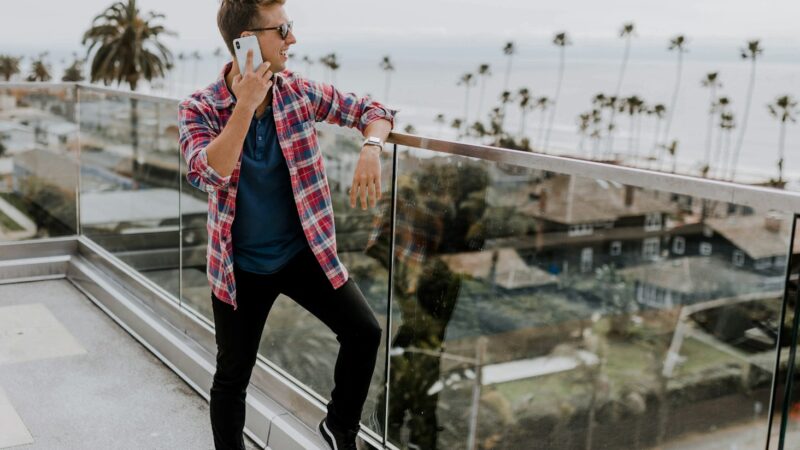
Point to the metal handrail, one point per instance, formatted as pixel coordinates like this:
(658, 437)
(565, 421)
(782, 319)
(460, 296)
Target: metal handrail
(741, 194)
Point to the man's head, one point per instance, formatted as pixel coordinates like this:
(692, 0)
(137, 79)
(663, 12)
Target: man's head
(237, 17)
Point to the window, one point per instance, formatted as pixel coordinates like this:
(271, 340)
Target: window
(679, 245)
(651, 248)
(652, 222)
(649, 295)
(586, 259)
(581, 229)
(738, 258)
(616, 248)
(705, 248)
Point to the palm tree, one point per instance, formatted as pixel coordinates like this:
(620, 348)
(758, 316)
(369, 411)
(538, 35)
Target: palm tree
(505, 98)
(483, 72)
(334, 66)
(388, 67)
(721, 107)
(542, 104)
(40, 70)
(658, 111)
(74, 73)
(727, 125)
(678, 44)
(479, 129)
(440, 121)
(627, 32)
(751, 52)
(456, 124)
(127, 50)
(9, 66)
(509, 51)
(467, 80)
(584, 122)
(330, 62)
(560, 40)
(308, 62)
(218, 56)
(711, 81)
(524, 96)
(784, 109)
(633, 105)
(672, 149)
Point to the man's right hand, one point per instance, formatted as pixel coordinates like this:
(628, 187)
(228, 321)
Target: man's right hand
(251, 87)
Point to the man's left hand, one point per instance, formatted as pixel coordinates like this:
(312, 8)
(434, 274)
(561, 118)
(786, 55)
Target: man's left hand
(367, 177)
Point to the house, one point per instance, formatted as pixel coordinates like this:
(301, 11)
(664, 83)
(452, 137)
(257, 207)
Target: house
(509, 271)
(688, 280)
(585, 222)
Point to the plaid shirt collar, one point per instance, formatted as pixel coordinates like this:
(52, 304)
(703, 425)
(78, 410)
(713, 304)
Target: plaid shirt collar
(224, 98)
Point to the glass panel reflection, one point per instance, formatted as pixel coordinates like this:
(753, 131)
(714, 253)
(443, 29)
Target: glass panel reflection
(543, 310)
(129, 182)
(38, 162)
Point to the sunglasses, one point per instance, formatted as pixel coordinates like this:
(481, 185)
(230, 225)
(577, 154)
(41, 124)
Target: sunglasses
(284, 29)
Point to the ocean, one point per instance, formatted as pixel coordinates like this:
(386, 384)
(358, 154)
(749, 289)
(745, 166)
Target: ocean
(424, 84)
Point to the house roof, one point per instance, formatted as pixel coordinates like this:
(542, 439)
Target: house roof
(511, 271)
(574, 199)
(137, 205)
(692, 275)
(751, 235)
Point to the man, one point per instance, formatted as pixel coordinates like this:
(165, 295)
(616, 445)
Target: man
(249, 142)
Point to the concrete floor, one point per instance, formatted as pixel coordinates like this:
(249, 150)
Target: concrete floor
(70, 378)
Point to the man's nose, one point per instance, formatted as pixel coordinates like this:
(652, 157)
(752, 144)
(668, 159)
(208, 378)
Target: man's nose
(291, 39)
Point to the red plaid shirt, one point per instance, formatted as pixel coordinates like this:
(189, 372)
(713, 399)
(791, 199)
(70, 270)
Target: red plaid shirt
(297, 103)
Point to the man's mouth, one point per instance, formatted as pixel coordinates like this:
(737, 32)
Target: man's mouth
(285, 53)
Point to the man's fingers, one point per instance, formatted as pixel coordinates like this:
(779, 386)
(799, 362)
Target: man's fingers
(263, 68)
(372, 195)
(248, 63)
(353, 190)
(363, 197)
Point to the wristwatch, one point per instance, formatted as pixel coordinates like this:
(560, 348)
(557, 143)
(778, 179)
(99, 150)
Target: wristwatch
(372, 140)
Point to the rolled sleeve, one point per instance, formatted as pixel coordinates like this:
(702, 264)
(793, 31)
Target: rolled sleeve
(344, 109)
(376, 111)
(195, 134)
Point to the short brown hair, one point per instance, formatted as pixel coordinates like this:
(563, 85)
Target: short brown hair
(236, 16)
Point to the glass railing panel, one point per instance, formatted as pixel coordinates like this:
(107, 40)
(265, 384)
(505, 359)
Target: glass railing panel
(38, 162)
(294, 341)
(130, 182)
(786, 414)
(542, 310)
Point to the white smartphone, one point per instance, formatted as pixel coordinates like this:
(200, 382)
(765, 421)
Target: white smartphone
(241, 46)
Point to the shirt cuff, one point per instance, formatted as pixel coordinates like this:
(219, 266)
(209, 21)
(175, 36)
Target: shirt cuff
(213, 178)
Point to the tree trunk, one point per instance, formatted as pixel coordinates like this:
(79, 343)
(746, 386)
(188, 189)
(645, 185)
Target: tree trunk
(674, 97)
(740, 140)
(546, 144)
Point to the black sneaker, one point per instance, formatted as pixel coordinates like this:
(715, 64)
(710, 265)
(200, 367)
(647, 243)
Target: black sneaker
(337, 440)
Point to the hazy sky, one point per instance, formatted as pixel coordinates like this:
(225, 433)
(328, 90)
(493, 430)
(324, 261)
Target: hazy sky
(58, 25)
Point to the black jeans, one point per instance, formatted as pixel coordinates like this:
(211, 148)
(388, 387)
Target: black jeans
(238, 334)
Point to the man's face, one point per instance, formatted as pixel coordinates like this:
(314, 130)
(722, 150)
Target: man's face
(273, 48)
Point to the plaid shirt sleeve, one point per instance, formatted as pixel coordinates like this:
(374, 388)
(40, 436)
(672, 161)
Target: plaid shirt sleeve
(344, 109)
(195, 135)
